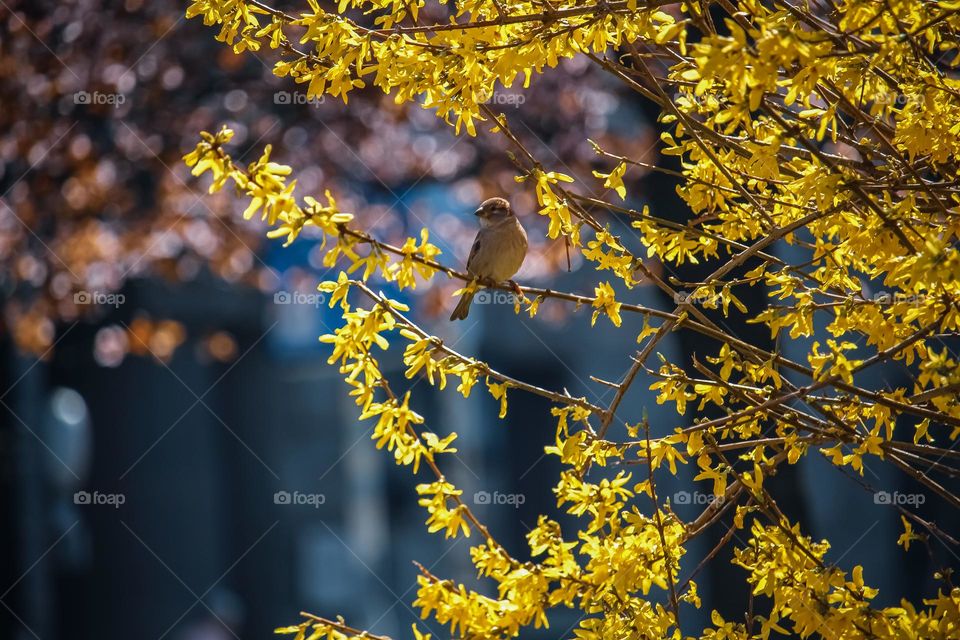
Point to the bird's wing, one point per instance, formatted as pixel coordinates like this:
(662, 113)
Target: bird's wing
(473, 254)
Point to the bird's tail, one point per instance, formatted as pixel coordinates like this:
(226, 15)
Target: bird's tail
(463, 307)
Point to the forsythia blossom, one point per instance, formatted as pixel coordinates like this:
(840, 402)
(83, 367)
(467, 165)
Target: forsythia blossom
(833, 126)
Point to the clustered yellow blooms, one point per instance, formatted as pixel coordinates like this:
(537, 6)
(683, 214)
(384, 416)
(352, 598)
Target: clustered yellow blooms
(833, 127)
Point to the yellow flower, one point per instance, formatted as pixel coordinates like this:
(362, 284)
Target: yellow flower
(606, 302)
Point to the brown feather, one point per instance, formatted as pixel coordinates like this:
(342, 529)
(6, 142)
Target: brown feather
(463, 307)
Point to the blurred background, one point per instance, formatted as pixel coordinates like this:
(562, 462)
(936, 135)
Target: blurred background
(178, 461)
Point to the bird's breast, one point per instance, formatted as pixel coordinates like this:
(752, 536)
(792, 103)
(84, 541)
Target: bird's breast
(512, 250)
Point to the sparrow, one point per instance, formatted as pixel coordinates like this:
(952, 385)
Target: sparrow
(498, 251)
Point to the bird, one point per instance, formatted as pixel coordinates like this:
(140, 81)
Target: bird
(497, 253)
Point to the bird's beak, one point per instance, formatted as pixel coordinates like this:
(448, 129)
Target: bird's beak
(478, 212)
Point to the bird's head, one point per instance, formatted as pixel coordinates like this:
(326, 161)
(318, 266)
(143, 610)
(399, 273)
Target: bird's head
(493, 211)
